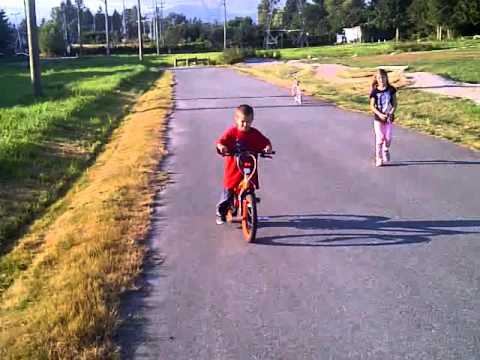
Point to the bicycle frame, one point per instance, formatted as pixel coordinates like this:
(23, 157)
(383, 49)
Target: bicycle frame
(246, 185)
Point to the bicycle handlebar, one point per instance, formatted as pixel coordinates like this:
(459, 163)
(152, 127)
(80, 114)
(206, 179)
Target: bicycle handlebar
(262, 154)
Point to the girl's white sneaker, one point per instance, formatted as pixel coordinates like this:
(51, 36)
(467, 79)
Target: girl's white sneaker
(386, 156)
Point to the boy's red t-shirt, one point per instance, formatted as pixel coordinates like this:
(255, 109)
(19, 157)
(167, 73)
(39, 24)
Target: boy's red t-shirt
(252, 140)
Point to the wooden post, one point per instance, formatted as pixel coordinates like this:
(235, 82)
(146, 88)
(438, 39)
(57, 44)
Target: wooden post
(34, 55)
(140, 39)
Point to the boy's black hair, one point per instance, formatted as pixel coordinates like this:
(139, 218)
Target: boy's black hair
(246, 110)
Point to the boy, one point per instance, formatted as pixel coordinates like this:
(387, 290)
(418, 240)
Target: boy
(248, 138)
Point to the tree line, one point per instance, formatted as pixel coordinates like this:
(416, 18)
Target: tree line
(381, 19)
(314, 22)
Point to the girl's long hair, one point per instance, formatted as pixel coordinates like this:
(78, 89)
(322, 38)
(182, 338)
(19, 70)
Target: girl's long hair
(382, 73)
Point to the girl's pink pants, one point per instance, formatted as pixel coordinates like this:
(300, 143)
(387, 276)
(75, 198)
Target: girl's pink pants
(383, 136)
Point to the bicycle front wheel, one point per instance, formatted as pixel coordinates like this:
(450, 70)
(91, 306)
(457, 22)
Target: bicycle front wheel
(249, 217)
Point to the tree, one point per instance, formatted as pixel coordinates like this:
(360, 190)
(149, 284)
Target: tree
(354, 12)
(87, 19)
(316, 22)
(243, 32)
(466, 16)
(116, 25)
(420, 17)
(6, 34)
(99, 20)
(266, 11)
(51, 39)
(391, 17)
(336, 15)
(290, 14)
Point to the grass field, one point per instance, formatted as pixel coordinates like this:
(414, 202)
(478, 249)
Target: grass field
(458, 60)
(458, 64)
(60, 284)
(46, 143)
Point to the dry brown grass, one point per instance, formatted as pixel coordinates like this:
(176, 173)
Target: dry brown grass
(87, 249)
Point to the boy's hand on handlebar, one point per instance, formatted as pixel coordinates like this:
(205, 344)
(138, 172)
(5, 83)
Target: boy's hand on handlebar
(222, 149)
(268, 149)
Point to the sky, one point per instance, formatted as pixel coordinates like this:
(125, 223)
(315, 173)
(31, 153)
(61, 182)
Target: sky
(43, 7)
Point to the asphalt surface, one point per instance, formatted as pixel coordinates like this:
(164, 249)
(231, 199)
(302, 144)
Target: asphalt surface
(352, 261)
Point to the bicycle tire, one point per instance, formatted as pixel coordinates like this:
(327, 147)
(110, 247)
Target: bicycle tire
(249, 217)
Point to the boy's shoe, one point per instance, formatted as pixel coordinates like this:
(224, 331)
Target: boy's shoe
(386, 156)
(378, 162)
(220, 219)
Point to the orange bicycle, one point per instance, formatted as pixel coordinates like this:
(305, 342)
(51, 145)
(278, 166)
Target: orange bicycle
(244, 199)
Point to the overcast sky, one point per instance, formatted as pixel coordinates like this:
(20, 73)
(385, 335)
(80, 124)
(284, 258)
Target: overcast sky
(44, 6)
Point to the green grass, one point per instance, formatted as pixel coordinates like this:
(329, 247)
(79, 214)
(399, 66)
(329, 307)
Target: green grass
(458, 60)
(457, 64)
(62, 282)
(47, 142)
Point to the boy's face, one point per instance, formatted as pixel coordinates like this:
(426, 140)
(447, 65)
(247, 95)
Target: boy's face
(243, 122)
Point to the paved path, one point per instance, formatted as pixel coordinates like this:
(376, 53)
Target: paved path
(353, 261)
(438, 84)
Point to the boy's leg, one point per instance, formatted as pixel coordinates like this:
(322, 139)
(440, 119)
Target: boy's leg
(223, 204)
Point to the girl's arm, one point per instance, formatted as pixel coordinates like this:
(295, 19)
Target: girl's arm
(394, 103)
(375, 110)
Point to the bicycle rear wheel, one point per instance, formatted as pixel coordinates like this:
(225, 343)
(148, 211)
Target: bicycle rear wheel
(249, 217)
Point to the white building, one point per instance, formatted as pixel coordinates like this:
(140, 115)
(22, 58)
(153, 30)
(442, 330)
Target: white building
(350, 35)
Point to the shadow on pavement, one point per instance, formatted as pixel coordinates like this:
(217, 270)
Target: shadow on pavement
(329, 230)
(304, 105)
(433, 162)
(472, 86)
(235, 97)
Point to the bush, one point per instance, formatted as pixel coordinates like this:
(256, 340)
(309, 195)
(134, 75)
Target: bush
(269, 54)
(414, 46)
(51, 39)
(236, 54)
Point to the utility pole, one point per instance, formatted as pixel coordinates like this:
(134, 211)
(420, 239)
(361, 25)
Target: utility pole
(224, 24)
(157, 37)
(140, 39)
(107, 39)
(162, 35)
(65, 24)
(79, 22)
(124, 22)
(33, 52)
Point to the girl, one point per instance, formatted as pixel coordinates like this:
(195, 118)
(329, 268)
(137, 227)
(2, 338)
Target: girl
(296, 92)
(383, 104)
